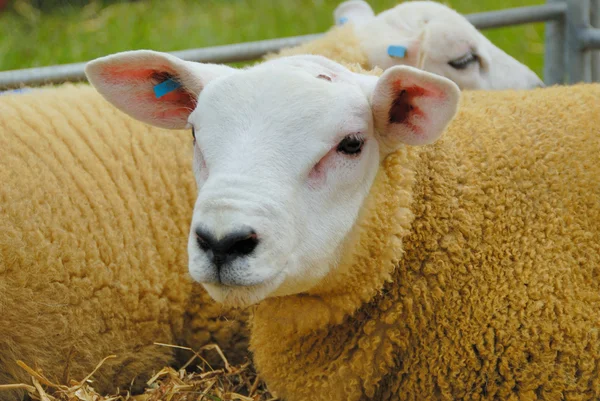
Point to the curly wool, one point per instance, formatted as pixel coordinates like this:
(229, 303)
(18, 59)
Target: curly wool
(94, 214)
(340, 43)
(473, 272)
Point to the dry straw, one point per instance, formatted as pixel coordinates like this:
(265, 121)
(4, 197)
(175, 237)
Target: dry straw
(196, 380)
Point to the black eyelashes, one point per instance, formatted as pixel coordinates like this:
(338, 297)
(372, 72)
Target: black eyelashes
(464, 61)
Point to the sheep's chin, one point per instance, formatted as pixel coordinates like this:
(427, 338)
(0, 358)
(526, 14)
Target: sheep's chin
(243, 296)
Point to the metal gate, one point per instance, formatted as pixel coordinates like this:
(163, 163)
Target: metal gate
(572, 32)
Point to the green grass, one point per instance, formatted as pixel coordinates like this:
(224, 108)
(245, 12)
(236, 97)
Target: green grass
(30, 37)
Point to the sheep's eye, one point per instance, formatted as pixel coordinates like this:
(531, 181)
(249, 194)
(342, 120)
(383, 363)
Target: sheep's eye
(463, 62)
(194, 133)
(351, 145)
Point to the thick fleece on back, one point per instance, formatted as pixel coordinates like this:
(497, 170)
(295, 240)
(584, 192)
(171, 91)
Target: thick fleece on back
(94, 216)
(473, 272)
(339, 43)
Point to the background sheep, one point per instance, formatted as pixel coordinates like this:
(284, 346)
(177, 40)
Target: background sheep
(93, 207)
(467, 269)
(426, 35)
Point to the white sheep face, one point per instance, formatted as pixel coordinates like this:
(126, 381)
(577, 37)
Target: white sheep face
(437, 39)
(267, 162)
(285, 154)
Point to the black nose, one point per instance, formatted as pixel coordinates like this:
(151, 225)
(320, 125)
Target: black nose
(233, 245)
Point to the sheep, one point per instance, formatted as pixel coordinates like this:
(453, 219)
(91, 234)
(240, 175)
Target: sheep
(382, 259)
(423, 34)
(93, 205)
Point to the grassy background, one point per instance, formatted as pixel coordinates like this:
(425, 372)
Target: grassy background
(78, 30)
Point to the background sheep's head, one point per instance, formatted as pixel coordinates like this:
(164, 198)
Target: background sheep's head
(285, 153)
(436, 39)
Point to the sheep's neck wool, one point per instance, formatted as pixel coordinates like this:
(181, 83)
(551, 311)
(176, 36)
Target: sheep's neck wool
(473, 272)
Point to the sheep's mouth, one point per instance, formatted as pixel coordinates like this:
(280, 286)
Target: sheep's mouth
(244, 295)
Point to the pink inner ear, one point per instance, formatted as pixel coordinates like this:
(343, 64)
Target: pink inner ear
(116, 74)
(178, 103)
(428, 90)
(403, 108)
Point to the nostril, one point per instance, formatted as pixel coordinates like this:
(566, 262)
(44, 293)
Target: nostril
(238, 243)
(245, 245)
(202, 243)
(204, 239)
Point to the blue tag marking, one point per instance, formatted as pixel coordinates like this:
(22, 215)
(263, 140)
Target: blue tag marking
(165, 87)
(397, 51)
(342, 20)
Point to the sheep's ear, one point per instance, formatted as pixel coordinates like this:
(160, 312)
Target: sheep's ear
(412, 107)
(352, 11)
(153, 87)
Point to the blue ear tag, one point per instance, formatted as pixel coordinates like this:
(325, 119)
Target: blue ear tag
(165, 87)
(342, 20)
(397, 51)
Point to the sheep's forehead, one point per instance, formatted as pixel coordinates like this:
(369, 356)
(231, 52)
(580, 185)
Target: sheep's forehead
(281, 100)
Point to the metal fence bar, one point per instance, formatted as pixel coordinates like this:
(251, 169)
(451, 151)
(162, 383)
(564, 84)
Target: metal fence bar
(217, 54)
(254, 50)
(589, 39)
(517, 16)
(242, 51)
(578, 16)
(595, 21)
(554, 48)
